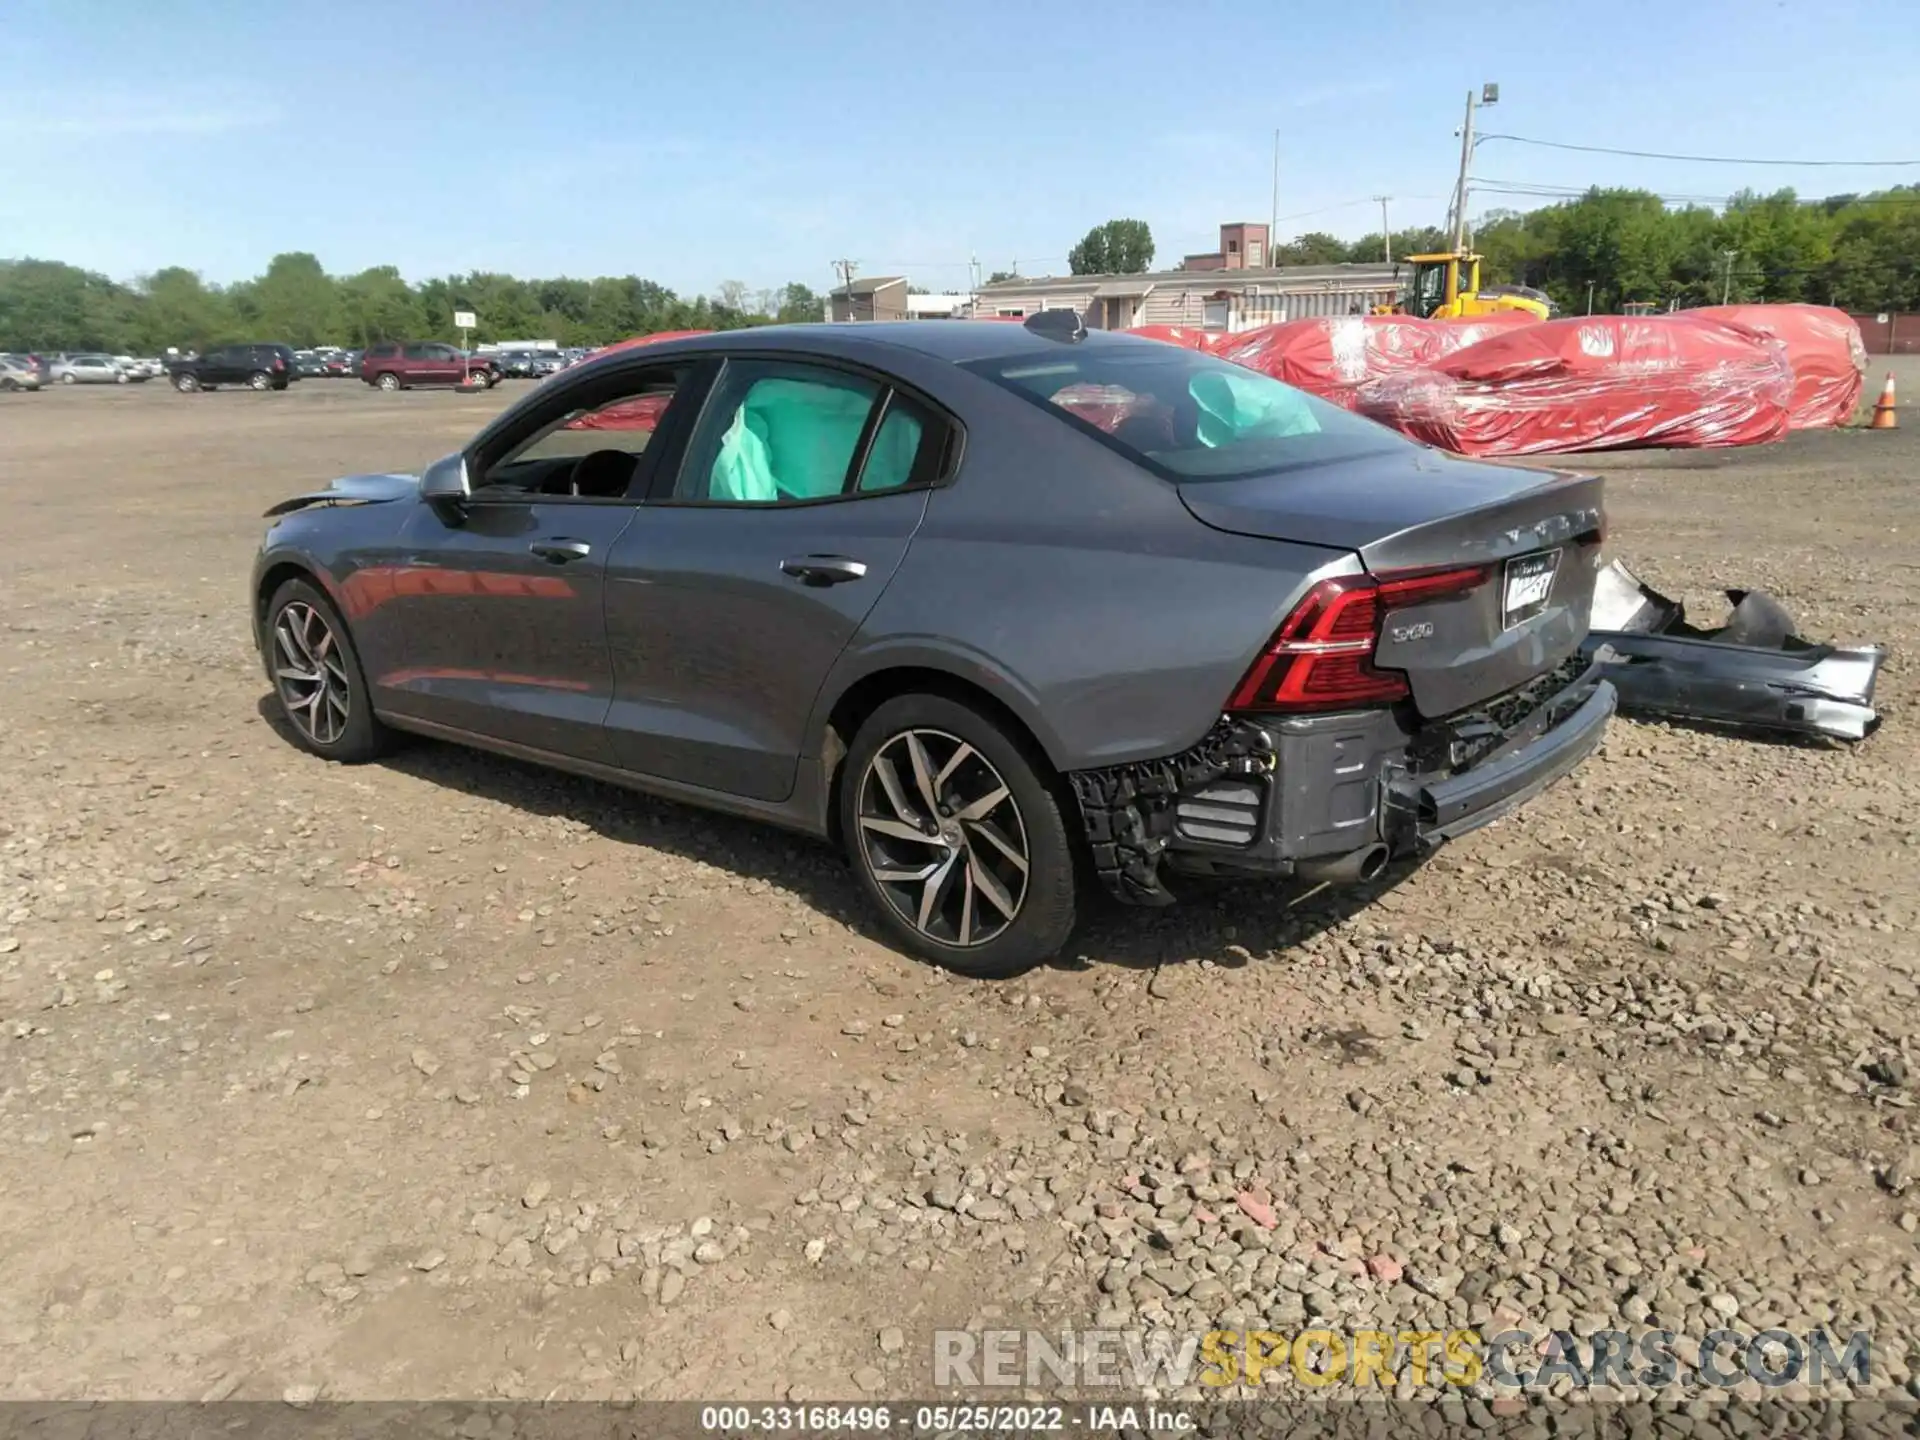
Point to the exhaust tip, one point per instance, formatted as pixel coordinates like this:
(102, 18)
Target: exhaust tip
(1372, 862)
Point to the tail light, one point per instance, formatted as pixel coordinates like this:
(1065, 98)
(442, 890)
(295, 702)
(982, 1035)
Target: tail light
(279, 363)
(1321, 658)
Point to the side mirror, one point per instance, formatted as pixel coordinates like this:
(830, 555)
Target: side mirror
(445, 481)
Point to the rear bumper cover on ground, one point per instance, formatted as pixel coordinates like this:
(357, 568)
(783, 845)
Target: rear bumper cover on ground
(1753, 672)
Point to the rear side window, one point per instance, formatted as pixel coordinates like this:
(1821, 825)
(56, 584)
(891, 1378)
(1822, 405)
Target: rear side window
(383, 352)
(896, 447)
(1185, 415)
(775, 432)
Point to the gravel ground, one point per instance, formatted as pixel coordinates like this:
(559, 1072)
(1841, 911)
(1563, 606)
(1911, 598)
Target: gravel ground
(451, 1077)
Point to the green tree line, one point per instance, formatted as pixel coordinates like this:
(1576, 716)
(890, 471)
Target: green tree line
(1860, 252)
(48, 305)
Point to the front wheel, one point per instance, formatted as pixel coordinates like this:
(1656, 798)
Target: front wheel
(121, 378)
(7, 382)
(317, 677)
(958, 836)
(186, 384)
(69, 378)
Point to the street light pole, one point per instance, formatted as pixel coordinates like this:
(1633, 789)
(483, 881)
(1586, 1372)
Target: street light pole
(1489, 95)
(1726, 288)
(1386, 232)
(1273, 215)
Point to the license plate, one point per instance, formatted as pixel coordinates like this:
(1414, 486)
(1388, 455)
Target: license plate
(1528, 584)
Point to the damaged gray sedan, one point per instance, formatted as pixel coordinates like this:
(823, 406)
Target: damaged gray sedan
(999, 609)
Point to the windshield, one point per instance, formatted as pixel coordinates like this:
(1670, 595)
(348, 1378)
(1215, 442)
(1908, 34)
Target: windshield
(1187, 415)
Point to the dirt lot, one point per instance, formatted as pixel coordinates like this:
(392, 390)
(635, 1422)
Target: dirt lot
(449, 1077)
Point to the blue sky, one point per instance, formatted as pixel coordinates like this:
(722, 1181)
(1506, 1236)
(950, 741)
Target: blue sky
(759, 141)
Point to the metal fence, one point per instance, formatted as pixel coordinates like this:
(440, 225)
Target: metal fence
(1889, 333)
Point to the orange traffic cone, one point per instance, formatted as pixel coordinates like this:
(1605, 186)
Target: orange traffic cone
(1885, 413)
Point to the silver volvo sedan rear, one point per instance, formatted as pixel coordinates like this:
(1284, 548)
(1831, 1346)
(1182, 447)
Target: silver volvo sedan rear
(974, 601)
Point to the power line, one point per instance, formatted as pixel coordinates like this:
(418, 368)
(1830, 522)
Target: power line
(1545, 191)
(1703, 159)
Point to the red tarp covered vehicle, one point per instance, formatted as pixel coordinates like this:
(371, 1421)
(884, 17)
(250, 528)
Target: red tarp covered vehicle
(1333, 355)
(1823, 347)
(1185, 336)
(643, 412)
(1599, 382)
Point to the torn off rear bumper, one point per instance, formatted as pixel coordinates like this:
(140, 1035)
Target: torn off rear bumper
(1753, 672)
(1317, 795)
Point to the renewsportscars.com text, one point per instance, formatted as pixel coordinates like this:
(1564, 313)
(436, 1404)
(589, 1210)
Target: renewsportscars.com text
(1519, 1360)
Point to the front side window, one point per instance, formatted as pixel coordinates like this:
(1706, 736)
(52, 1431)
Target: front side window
(1186, 415)
(590, 451)
(775, 432)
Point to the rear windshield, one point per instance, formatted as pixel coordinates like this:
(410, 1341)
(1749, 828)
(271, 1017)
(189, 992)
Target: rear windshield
(1188, 415)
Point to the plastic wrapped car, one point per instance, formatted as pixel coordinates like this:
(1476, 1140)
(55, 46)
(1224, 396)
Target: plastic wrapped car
(1332, 356)
(1183, 335)
(1824, 348)
(1599, 382)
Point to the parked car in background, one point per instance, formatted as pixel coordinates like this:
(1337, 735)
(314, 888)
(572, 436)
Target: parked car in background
(137, 368)
(540, 366)
(17, 374)
(306, 364)
(256, 365)
(513, 364)
(888, 585)
(91, 370)
(394, 365)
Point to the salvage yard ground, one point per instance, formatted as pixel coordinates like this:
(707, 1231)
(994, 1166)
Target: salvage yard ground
(450, 1077)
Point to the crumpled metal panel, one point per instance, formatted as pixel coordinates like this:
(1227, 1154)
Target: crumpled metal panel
(1662, 666)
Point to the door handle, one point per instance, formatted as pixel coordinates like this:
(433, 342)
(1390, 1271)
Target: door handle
(823, 569)
(561, 551)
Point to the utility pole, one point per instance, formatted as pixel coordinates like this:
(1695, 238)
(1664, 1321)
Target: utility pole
(1726, 288)
(1386, 232)
(1273, 215)
(845, 270)
(1489, 95)
(1589, 297)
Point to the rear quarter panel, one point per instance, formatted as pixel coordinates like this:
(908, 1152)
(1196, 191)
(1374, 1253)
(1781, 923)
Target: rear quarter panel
(1076, 588)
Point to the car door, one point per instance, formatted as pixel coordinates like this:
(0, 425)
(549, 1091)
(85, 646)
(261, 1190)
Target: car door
(220, 366)
(418, 365)
(756, 561)
(500, 604)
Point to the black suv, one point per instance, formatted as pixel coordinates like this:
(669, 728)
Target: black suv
(258, 367)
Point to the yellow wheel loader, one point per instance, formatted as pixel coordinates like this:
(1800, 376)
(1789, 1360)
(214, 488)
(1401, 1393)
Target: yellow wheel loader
(1447, 287)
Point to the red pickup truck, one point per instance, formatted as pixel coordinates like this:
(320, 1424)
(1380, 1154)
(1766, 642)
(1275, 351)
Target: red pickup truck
(393, 365)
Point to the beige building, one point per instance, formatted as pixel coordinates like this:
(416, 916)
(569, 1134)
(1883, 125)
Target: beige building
(1226, 298)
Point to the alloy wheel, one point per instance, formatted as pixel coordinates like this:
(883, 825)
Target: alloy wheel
(310, 673)
(942, 836)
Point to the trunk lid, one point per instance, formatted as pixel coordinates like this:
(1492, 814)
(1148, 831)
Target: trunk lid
(1536, 531)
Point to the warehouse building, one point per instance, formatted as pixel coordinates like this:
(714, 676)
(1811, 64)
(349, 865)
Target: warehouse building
(1230, 300)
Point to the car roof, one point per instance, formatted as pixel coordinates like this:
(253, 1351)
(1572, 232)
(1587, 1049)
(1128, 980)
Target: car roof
(955, 341)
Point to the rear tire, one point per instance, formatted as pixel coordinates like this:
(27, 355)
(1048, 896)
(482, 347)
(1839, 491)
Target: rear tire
(317, 678)
(259, 380)
(937, 893)
(121, 378)
(69, 378)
